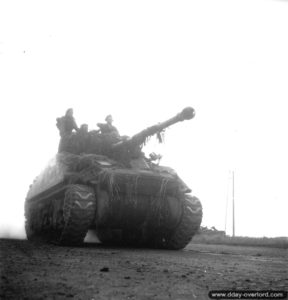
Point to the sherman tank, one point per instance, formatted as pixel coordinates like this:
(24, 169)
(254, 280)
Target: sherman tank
(105, 183)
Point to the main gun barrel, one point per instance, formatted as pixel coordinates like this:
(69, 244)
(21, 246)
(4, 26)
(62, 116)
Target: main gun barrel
(186, 114)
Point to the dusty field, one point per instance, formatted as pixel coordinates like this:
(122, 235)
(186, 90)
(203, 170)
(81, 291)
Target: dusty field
(38, 271)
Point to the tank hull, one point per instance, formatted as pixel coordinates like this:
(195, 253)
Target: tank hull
(76, 193)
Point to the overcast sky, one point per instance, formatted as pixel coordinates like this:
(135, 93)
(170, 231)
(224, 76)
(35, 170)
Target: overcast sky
(143, 62)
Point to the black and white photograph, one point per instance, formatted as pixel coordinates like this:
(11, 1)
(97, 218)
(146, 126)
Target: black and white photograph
(144, 149)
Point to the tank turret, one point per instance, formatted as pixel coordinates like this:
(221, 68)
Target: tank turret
(114, 146)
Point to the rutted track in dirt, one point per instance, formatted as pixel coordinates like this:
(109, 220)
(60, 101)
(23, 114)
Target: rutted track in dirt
(40, 271)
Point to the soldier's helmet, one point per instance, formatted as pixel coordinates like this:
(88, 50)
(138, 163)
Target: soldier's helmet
(109, 118)
(69, 112)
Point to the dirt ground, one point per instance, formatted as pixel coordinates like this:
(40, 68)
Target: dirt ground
(40, 271)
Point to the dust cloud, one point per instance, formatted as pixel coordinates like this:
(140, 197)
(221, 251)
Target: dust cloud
(8, 232)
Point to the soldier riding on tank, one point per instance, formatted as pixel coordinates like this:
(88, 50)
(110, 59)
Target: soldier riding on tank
(108, 128)
(67, 123)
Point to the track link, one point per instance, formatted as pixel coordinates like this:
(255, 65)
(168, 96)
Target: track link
(78, 212)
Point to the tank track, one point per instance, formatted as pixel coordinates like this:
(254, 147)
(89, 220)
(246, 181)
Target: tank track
(189, 224)
(78, 212)
(63, 220)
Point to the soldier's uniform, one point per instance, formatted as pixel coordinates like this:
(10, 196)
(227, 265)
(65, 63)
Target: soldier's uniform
(108, 128)
(66, 124)
(83, 138)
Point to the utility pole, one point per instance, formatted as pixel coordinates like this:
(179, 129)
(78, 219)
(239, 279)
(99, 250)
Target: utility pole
(227, 201)
(233, 203)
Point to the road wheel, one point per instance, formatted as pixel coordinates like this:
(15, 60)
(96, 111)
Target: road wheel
(37, 221)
